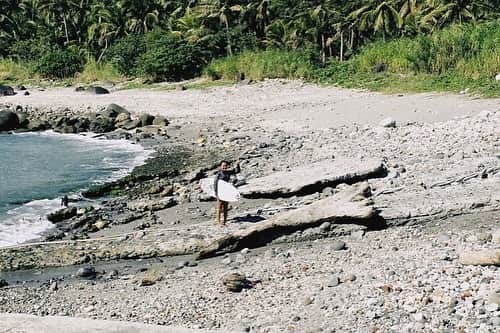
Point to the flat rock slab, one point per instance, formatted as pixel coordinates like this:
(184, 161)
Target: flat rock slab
(17, 323)
(312, 178)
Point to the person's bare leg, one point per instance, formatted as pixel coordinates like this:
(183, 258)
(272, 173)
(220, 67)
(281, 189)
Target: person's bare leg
(224, 205)
(217, 211)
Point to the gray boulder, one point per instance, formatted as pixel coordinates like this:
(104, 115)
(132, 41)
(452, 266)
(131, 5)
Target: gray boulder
(8, 120)
(86, 272)
(96, 90)
(102, 125)
(122, 118)
(65, 129)
(38, 125)
(23, 119)
(146, 119)
(130, 125)
(113, 110)
(160, 121)
(6, 91)
(82, 125)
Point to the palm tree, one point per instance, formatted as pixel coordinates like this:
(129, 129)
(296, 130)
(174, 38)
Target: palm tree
(444, 12)
(55, 10)
(140, 16)
(222, 10)
(379, 16)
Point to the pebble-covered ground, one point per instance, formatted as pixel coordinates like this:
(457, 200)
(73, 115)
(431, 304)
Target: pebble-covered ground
(403, 279)
(442, 184)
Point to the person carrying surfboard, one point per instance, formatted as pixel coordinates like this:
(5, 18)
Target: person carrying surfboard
(224, 173)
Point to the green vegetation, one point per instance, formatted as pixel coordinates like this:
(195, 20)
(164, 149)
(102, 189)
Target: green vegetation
(415, 44)
(59, 64)
(264, 64)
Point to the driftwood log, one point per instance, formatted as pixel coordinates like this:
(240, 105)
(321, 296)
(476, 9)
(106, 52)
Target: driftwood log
(351, 205)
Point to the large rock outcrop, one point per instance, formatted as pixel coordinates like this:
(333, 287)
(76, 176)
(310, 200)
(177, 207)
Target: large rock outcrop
(312, 178)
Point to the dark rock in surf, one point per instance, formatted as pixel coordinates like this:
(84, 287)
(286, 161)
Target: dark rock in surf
(8, 120)
(62, 214)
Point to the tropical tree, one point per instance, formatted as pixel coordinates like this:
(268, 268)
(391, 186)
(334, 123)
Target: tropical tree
(445, 12)
(377, 16)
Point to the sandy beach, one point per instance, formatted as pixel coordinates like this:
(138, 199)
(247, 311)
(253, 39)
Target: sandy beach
(430, 162)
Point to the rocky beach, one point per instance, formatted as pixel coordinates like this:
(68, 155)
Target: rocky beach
(361, 212)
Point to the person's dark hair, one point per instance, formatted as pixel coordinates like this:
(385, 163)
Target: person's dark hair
(224, 161)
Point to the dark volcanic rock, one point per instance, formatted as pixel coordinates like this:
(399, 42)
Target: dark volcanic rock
(8, 120)
(38, 125)
(86, 272)
(113, 110)
(97, 90)
(130, 125)
(6, 91)
(146, 119)
(102, 125)
(23, 119)
(62, 214)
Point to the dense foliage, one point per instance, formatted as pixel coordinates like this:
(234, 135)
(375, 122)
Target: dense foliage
(114, 31)
(59, 64)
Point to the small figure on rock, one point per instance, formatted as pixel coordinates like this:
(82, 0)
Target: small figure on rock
(64, 201)
(224, 173)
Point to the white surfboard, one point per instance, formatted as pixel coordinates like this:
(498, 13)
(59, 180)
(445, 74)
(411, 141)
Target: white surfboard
(227, 192)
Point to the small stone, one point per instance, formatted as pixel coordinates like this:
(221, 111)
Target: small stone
(388, 122)
(245, 250)
(491, 307)
(483, 258)
(325, 227)
(226, 261)
(86, 272)
(495, 237)
(358, 234)
(3, 283)
(350, 277)
(308, 300)
(335, 281)
(182, 264)
(419, 317)
(53, 286)
(338, 245)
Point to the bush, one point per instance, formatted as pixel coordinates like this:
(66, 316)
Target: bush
(169, 58)
(30, 49)
(125, 52)
(60, 63)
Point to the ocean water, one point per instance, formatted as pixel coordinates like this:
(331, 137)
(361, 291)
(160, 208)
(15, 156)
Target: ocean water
(37, 169)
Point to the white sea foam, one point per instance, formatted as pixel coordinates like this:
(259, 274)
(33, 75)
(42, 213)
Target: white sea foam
(29, 221)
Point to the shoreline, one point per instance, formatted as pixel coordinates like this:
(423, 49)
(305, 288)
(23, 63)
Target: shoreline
(438, 197)
(76, 196)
